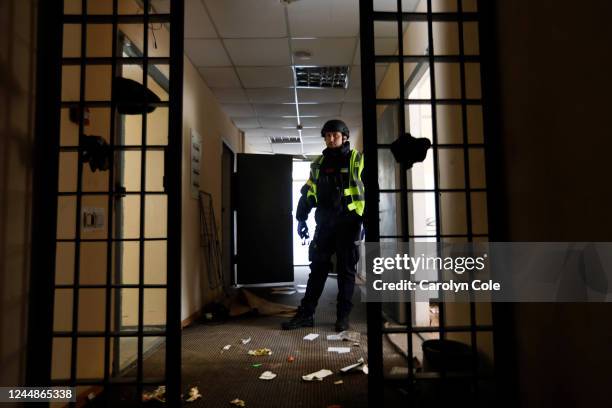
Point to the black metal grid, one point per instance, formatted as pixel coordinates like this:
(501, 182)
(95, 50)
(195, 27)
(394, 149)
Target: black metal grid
(41, 331)
(372, 146)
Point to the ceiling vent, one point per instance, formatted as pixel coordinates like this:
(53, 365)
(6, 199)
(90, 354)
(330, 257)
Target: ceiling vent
(321, 77)
(285, 140)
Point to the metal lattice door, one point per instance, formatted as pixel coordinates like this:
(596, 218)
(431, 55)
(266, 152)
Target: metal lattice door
(420, 63)
(109, 261)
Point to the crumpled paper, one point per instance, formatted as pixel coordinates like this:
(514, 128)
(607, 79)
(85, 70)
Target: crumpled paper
(159, 394)
(194, 394)
(317, 376)
(260, 352)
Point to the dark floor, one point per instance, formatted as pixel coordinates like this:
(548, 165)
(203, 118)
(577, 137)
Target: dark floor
(222, 376)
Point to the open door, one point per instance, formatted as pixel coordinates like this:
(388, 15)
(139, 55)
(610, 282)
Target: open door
(106, 239)
(264, 218)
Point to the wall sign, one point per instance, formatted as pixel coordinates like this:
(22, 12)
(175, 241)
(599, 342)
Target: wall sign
(196, 157)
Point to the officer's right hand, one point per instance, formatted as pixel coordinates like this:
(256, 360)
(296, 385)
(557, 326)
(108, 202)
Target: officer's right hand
(302, 230)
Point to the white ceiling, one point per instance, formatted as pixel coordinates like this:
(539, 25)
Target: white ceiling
(242, 49)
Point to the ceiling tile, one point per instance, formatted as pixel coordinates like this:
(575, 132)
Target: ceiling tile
(322, 109)
(357, 58)
(197, 22)
(248, 18)
(355, 77)
(246, 123)
(281, 132)
(317, 122)
(352, 121)
(320, 95)
(220, 77)
(265, 77)
(291, 148)
(353, 95)
(259, 52)
(329, 51)
(274, 109)
(324, 18)
(206, 53)
(351, 109)
(260, 147)
(278, 123)
(271, 95)
(230, 95)
(312, 133)
(238, 109)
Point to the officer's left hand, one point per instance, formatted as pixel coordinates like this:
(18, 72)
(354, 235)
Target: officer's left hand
(302, 230)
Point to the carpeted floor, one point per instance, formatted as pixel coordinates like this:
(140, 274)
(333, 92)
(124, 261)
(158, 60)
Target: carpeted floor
(222, 376)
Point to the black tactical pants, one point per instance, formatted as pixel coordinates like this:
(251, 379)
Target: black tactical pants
(337, 236)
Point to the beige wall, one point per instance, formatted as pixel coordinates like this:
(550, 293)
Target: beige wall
(202, 113)
(17, 67)
(555, 136)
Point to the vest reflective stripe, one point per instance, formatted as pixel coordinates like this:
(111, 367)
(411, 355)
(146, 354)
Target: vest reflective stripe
(355, 189)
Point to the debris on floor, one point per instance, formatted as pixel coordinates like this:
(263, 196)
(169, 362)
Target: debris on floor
(245, 341)
(345, 335)
(159, 394)
(283, 292)
(290, 359)
(245, 301)
(238, 402)
(338, 382)
(339, 350)
(360, 363)
(256, 365)
(267, 375)
(311, 336)
(194, 394)
(260, 352)
(227, 347)
(317, 376)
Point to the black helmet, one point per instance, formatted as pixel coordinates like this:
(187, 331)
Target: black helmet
(335, 125)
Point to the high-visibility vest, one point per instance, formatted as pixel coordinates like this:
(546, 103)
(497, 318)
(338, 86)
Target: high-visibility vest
(355, 189)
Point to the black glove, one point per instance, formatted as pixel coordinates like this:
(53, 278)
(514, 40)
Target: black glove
(302, 230)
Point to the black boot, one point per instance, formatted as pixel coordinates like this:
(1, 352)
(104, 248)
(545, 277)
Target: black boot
(342, 323)
(301, 319)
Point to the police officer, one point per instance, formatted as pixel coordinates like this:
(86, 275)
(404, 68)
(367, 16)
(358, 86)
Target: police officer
(336, 189)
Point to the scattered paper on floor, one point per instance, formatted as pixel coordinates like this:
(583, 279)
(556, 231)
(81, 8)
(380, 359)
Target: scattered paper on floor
(238, 402)
(333, 337)
(227, 347)
(339, 350)
(159, 394)
(348, 368)
(311, 336)
(338, 382)
(317, 376)
(245, 341)
(260, 352)
(267, 375)
(194, 394)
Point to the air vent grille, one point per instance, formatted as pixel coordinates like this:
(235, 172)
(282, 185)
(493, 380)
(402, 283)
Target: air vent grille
(322, 77)
(285, 140)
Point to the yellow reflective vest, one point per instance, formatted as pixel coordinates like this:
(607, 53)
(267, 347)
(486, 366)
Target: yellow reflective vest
(355, 190)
